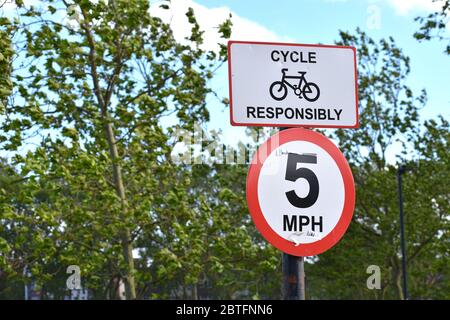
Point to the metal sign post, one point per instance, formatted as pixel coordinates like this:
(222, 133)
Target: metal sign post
(293, 277)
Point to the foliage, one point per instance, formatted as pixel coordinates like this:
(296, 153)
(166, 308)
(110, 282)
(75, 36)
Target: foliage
(92, 85)
(389, 116)
(435, 24)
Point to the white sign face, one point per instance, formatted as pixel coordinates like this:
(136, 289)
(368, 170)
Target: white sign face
(324, 186)
(300, 192)
(278, 84)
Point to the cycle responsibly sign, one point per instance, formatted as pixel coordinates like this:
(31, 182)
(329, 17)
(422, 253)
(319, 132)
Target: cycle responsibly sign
(288, 85)
(300, 192)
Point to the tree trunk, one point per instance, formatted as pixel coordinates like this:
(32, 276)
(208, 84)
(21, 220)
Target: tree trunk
(398, 284)
(104, 99)
(397, 277)
(127, 247)
(194, 292)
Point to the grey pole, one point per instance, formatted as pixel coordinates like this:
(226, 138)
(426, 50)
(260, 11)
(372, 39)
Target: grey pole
(25, 273)
(293, 277)
(400, 171)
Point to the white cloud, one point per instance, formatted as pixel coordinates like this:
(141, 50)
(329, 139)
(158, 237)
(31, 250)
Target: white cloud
(404, 7)
(209, 19)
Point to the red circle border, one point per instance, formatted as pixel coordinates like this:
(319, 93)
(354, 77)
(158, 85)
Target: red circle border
(332, 238)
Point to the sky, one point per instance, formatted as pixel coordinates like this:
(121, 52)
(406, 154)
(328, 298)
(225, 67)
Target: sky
(319, 21)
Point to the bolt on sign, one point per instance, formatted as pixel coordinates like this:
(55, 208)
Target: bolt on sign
(300, 192)
(289, 85)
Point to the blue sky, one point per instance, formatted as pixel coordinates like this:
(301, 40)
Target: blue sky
(318, 21)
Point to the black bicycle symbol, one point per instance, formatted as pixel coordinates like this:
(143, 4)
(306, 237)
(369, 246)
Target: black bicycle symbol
(309, 90)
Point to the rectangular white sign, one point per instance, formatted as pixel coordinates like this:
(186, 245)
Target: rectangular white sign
(288, 85)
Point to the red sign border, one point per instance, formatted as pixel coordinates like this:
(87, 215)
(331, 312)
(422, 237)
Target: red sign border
(317, 247)
(233, 123)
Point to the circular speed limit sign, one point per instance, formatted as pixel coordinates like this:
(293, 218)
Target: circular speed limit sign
(300, 192)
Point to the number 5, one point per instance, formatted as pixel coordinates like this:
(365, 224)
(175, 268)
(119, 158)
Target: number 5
(293, 174)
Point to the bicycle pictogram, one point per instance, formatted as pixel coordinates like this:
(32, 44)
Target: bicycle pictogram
(279, 89)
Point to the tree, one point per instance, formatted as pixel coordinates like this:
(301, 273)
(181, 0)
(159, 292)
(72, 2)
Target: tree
(434, 25)
(92, 83)
(214, 252)
(388, 115)
(6, 53)
(429, 204)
